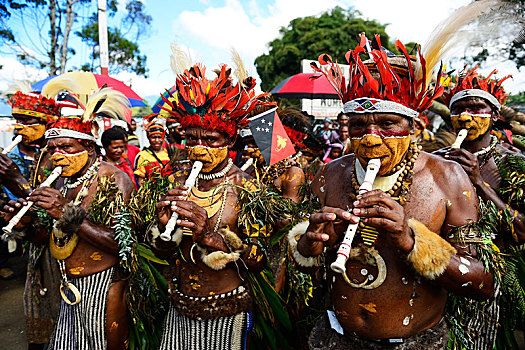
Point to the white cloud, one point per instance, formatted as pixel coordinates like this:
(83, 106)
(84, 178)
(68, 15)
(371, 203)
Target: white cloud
(248, 30)
(12, 71)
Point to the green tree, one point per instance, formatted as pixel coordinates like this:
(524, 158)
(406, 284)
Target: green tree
(333, 32)
(39, 31)
(123, 53)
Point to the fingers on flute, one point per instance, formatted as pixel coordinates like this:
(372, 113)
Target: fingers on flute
(317, 236)
(179, 191)
(186, 223)
(162, 204)
(374, 197)
(330, 214)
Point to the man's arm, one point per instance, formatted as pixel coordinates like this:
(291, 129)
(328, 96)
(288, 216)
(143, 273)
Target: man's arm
(465, 274)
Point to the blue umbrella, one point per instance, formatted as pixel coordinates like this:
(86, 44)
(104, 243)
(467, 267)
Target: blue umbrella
(160, 102)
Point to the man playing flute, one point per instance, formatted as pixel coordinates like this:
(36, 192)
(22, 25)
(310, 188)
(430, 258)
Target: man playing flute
(210, 255)
(495, 172)
(408, 252)
(93, 313)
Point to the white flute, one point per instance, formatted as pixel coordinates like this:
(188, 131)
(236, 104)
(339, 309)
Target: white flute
(13, 144)
(16, 219)
(462, 135)
(190, 182)
(346, 245)
(247, 164)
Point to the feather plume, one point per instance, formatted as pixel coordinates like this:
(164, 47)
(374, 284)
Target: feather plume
(240, 71)
(107, 101)
(452, 33)
(18, 85)
(55, 85)
(180, 60)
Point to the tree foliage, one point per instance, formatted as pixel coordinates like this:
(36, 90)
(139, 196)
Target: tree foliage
(333, 32)
(38, 32)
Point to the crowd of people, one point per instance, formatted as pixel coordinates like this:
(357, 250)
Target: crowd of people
(197, 241)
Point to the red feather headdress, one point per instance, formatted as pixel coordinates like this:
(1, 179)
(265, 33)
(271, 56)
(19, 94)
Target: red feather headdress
(215, 104)
(34, 105)
(379, 85)
(471, 84)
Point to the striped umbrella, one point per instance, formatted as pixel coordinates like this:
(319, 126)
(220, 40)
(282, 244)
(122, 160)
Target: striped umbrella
(90, 82)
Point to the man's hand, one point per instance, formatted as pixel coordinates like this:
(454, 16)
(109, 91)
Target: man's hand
(49, 199)
(8, 169)
(191, 215)
(321, 230)
(382, 212)
(11, 209)
(468, 161)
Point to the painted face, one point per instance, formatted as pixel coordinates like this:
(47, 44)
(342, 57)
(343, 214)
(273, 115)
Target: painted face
(31, 132)
(473, 114)
(384, 136)
(72, 163)
(210, 157)
(209, 147)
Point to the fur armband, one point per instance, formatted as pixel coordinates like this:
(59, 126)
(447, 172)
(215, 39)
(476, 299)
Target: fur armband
(293, 237)
(71, 219)
(218, 260)
(431, 253)
(153, 236)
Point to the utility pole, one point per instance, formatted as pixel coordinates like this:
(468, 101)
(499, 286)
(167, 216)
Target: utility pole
(103, 37)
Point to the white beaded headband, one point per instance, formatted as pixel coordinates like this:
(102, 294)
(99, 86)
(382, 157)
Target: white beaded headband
(475, 93)
(56, 133)
(374, 105)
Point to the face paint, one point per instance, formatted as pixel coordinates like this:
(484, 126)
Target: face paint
(72, 163)
(476, 124)
(211, 157)
(30, 132)
(373, 144)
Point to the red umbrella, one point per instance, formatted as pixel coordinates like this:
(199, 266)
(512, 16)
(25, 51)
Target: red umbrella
(301, 86)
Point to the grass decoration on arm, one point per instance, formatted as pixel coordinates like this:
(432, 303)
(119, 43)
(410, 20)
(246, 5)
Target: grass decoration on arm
(142, 203)
(508, 268)
(512, 170)
(147, 298)
(107, 201)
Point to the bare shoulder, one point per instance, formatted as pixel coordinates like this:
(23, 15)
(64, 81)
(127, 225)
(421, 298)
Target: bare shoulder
(239, 177)
(121, 179)
(505, 152)
(447, 174)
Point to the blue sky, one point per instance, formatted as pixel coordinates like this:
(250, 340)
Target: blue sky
(209, 28)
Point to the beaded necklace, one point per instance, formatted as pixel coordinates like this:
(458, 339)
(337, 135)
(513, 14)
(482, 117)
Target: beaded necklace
(216, 175)
(69, 243)
(487, 151)
(89, 173)
(400, 188)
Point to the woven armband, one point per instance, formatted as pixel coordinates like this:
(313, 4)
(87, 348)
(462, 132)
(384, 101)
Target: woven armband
(293, 237)
(431, 253)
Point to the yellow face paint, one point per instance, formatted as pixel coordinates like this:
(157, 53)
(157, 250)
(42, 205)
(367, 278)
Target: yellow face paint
(390, 149)
(31, 132)
(476, 124)
(210, 157)
(72, 163)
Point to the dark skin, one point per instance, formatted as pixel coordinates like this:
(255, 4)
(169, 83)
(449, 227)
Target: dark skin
(10, 175)
(97, 249)
(486, 179)
(115, 150)
(195, 218)
(176, 132)
(435, 199)
(155, 142)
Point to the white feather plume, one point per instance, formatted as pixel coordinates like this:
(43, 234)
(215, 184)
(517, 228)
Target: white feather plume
(180, 60)
(110, 102)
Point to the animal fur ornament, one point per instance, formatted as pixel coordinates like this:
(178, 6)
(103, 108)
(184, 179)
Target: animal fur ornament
(431, 253)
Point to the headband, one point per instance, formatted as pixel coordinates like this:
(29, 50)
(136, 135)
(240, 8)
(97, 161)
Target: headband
(373, 105)
(475, 93)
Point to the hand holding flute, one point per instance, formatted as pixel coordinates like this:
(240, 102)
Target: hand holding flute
(16, 219)
(346, 245)
(189, 183)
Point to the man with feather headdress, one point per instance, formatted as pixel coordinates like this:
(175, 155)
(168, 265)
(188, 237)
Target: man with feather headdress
(93, 313)
(497, 174)
(33, 112)
(406, 253)
(214, 262)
